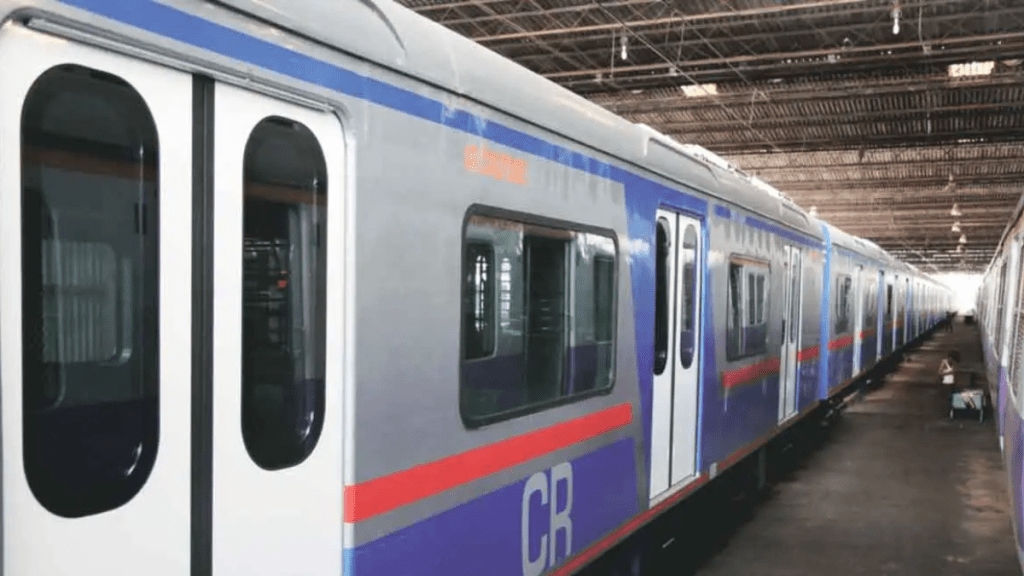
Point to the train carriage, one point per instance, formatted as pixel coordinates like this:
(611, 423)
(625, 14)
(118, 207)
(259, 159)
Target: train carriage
(324, 288)
(999, 306)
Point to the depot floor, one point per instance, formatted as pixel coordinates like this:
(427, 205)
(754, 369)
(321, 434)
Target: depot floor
(896, 489)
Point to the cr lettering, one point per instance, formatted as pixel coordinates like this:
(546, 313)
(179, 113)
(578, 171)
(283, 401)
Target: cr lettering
(540, 549)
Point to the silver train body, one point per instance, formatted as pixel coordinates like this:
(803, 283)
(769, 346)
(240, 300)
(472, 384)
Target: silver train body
(322, 288)
(999, 307)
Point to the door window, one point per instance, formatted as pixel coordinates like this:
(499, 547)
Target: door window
(284, 287)
(688, 314)
(661, 295)
(90, 325)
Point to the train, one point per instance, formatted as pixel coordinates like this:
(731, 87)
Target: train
(321, 287)
(998, 308)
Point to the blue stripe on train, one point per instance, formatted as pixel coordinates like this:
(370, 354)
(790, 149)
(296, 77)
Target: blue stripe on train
(485, 535)
(840, 366)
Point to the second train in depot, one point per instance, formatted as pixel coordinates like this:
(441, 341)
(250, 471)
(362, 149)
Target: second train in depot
(318, 288)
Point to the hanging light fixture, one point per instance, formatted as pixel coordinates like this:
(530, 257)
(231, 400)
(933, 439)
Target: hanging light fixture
(623, 40)
(956, 226)
(963, 239)
(959, 249)
(895, 17)
(956, 210)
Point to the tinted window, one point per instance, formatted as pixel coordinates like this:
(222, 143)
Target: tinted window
(688, 313)
(661, 292)
(557, 339)
(689, 256)
(604, 302)
(796, 278)
(284, 301)
(479, 307)
(90, 330)
(734, 321)
(843, 304)
(747, 328)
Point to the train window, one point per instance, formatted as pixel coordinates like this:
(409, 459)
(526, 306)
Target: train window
(1000, 306)
(662, 290)
(734, 327)
(558, 342)
(747, 322)
(689, 257)
(842, 312)
(761, 300)
(688, 314)
(872, 304)
(604, 291)
(479, 306)
(888, 301)
(284, 259)
(90, 258)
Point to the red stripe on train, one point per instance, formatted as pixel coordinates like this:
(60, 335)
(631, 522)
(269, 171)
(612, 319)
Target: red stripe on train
(733, 378)
(807, 354)
(380, 495)
(840, 343)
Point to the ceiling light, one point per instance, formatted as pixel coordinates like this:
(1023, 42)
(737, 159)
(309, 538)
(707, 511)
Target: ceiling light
(963, 239)
(956, 226)
(698, 90)
(956, 210)
(895, 17)
(624, 54)
(971, 69)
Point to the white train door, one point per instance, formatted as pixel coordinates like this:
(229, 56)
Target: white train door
(678, 277)
(858, 318)
(791, 332)
(278, 337)
(95, 343)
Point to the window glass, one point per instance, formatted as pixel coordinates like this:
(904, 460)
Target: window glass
(662, 290)
(689, 257)
(90, 332)
(751, 299)
(479, 306)
(842, 306)
(762, 298)
(1000, 305)
(559, 338)
(687, 332)
(604, 292)
(747, 328)
(734, 328)
(284, 302)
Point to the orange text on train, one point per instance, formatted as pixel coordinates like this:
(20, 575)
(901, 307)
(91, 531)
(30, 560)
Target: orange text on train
(492, 163)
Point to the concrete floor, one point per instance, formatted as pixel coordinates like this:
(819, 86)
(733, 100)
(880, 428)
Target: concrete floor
(897, 489)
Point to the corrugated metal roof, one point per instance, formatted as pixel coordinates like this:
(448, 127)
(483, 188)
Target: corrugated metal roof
(819, 98)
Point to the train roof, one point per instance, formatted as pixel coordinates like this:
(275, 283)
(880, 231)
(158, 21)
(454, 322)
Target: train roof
(391, 35)
(856, 244)
(395, 37)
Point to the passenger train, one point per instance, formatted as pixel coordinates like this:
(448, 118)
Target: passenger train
(321, 287)
(999, 305)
